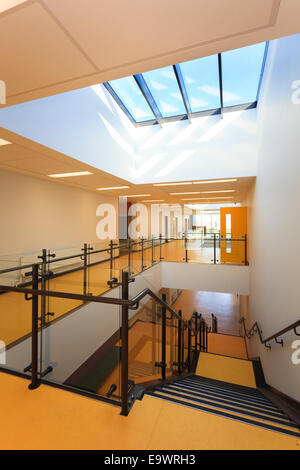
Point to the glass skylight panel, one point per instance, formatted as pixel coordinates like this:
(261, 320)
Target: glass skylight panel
(201, 79)
(165, 90)
(132, 97)
(241, 69)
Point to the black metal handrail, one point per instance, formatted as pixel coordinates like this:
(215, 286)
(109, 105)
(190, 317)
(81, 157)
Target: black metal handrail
(256, 329)
(126, 304)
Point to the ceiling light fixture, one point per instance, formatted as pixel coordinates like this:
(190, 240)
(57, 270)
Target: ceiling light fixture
(215, 181)
(113, 187)
(170, 184)
(179, 194)
(219, 191)
(67, 175)
(205, 198)
(4, 142)
(137, 195)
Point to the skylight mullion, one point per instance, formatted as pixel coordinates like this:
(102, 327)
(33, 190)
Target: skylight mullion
(132, 98)
(262, 69)
(220, 80)
(182, 88)
(148, 95)
(119, 101)
(164, 88)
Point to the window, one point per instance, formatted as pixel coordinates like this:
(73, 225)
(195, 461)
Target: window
(228, 233)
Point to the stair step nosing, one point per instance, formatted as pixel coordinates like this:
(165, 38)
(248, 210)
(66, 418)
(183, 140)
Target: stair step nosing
(232, 394)
(230, 385)
(228, 415)
(243, 404)
(235, 387)
(233, 409)
(241, 397)
(256, 396)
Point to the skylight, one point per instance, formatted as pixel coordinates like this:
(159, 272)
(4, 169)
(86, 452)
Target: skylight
(241, 71)
(201, 78)
(164, 88)
(223, 82)
(132, 97)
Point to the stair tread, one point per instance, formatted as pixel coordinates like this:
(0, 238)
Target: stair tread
(236, 410)
(225, 392)
(223, 399)
(233, 389)
(262, 423)
(229, 385)
(211, 389)
(217, 398)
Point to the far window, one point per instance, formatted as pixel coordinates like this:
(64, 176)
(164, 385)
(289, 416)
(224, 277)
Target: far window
(228, 233)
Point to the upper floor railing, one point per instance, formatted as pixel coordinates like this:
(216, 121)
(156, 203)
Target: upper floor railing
(133, 255)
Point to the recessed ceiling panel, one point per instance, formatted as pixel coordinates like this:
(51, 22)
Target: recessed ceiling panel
(36, 52)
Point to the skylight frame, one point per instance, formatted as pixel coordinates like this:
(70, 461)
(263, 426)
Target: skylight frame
(159, 119)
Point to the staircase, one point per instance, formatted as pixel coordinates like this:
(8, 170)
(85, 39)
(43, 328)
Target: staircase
(244, 404)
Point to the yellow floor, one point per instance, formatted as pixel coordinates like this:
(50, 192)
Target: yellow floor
(48, 418)
(227, 369)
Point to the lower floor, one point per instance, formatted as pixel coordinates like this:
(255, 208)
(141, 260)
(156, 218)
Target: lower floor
(49, 418)
(224, 306)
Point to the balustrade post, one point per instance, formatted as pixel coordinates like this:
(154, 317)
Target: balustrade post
(124, 336)
(35, 329)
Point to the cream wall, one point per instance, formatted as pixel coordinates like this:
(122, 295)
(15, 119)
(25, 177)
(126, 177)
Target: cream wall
(274, 223)
(226, 278)
(38, 214)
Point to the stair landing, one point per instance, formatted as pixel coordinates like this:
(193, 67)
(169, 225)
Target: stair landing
(227, 345)
(226, 369)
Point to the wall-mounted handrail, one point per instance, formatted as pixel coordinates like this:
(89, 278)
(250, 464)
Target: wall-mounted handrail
(255, 329)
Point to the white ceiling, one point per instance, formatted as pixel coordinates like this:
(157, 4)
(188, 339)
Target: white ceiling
(52, 46)
(31, 158)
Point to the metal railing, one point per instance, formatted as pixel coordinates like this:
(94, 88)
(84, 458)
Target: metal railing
(212, 248)
(256, 329)
(194, 331)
